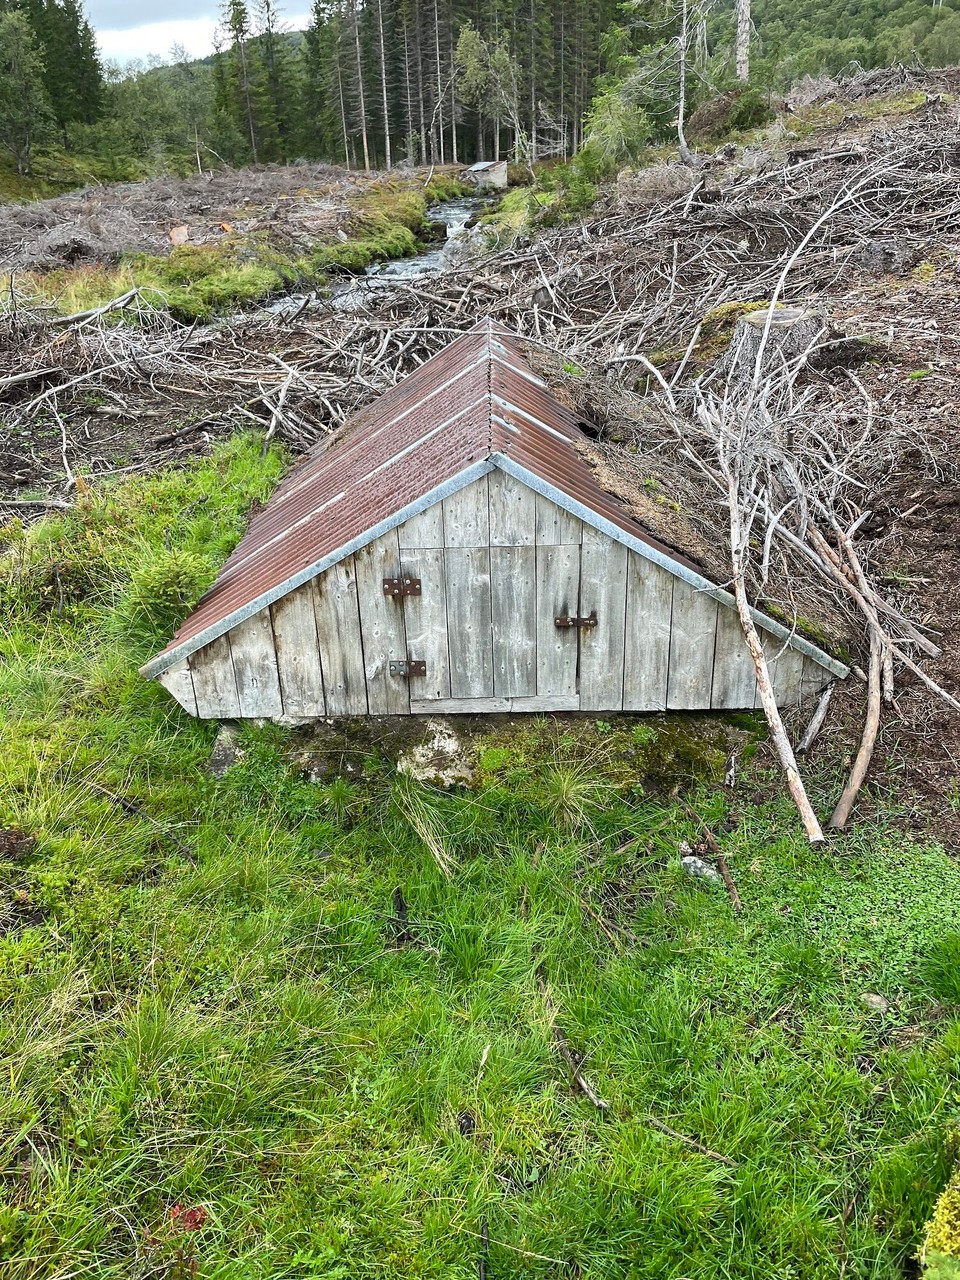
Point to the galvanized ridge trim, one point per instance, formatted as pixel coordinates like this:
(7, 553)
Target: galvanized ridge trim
(376, 428)
(169, 657)
(278, 537)
(512, 408)
(591, 517)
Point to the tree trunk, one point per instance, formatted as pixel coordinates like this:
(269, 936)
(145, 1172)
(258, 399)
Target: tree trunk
(453, 101)
(360, 98)
(771, 711)
(343, 105)
(247, 98)
(743, 40)
(791, 334)
(383, 85)
(439, 98)
(683, 41)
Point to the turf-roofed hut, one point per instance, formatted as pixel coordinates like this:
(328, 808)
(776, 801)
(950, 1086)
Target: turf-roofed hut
(454, 551)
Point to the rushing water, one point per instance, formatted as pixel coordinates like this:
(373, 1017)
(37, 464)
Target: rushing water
(348, 291)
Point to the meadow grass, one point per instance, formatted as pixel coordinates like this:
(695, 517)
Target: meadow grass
(223, 1054)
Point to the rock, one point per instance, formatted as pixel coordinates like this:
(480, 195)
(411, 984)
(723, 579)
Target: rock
(871, 1000)
(695, 866)
(226, 753)
(441, 759)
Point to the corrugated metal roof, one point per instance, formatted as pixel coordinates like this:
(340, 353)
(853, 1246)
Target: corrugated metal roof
(474, 401)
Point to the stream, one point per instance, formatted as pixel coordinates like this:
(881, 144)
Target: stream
(346, 292)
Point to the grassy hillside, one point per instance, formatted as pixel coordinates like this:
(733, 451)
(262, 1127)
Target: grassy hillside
(225, 1054)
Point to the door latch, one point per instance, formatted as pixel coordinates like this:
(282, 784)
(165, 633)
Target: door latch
(402, 586)
(563, 621)
(409, 667)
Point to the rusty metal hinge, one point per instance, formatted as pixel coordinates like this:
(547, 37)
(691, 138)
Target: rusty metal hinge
(411, 667)
(402, 586)
(564, 621)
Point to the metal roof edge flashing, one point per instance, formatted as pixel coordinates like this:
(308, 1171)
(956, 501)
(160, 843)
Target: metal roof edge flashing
(679, 570)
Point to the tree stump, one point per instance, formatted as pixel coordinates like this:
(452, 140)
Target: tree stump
(793, 334)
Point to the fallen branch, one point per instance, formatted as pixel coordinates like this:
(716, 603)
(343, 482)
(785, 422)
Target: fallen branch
(816, 721)
(841, 813)
(115, 304)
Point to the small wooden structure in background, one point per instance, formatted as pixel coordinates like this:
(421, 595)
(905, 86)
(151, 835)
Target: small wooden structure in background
(454, 552)
(487, 175)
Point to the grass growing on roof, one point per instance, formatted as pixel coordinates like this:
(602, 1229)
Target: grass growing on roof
(221, 1049)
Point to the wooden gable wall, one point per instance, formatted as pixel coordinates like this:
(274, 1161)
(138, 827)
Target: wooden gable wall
(497, 564)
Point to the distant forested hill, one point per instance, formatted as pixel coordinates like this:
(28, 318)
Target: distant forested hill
(372, 82)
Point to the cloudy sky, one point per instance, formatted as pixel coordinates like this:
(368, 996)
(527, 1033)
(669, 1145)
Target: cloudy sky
(129, 29)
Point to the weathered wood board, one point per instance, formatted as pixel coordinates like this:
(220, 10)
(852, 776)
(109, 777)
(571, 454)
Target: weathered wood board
(255, 667)
(425, 619)
(178, 681)
(558, 593)
(298, 654)
(337, 612)
(734, 677)
(603, 588)
(382, 627)
(647, 639)
(554, 525)
(513, 511)
(466, 516)
(693, 633)
(469, 626)
(513, 589)
(214, 682)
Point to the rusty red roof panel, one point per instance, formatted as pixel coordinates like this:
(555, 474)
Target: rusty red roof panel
(476, 397)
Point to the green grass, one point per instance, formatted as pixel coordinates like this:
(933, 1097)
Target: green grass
(212, 1019)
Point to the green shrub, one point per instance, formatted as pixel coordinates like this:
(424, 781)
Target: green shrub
(163, 589)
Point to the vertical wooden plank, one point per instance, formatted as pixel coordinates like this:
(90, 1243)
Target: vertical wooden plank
(647, 642)
(558, 592)
(425, 620)
(693, 635)
(513, 593)
(381, 626)
(554, 525)
(337, 613)
(466, 516)
(424, 530)
(178, 681)
(813, 678)
(603, 587)
(298, 653)
(786, 669)
(214, 682)
(513, 511)
(468, 622)
(255, 666)
(734, 679)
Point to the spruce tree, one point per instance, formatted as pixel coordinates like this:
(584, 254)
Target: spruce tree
(25, 113)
